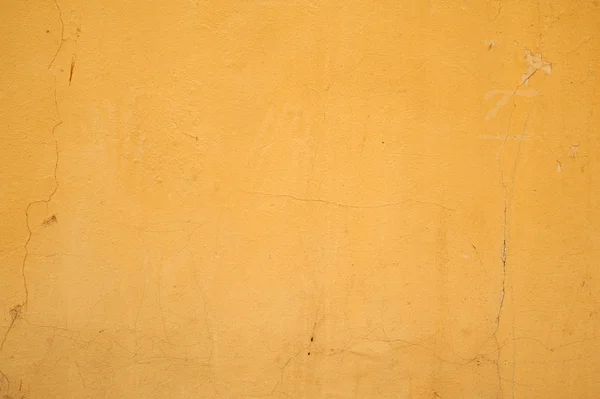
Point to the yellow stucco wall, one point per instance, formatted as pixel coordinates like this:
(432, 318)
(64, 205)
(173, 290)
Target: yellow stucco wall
(300, 199)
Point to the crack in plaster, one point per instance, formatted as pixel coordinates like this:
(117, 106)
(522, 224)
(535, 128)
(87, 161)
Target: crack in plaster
(15, 312)
(353, 206)
(507, 203)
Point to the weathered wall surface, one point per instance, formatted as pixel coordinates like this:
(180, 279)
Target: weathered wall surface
(299, 199)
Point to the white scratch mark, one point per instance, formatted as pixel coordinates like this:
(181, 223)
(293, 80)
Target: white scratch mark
(506, 96)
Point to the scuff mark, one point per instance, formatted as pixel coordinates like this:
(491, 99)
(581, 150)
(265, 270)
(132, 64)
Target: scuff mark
(490, 44)
(50, 221)
(183, 132)
(72, 69)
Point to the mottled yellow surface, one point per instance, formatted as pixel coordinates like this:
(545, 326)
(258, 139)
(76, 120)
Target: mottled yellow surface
(299, 199)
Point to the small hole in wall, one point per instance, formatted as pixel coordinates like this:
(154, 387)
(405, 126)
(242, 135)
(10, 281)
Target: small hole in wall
(308, 353)
(312, 339)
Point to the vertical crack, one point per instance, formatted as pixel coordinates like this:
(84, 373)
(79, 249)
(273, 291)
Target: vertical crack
(504, 246)
(62, 34)
(54, 189)
(499, 10)
(43, 201)
(15, 311)
(539, 15)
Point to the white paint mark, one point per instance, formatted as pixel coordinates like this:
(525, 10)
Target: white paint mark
(558, 167)
(506, 96)
(573, 150)
(535, 63)
(503, 137)
(490, 44)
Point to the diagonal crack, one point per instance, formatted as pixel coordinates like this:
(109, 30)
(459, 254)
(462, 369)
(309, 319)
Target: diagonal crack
(7, 381)
(14, 313)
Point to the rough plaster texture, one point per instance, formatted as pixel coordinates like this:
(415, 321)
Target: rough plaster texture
(299, 199)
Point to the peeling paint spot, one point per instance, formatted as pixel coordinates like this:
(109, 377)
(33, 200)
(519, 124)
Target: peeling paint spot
(535, 62)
